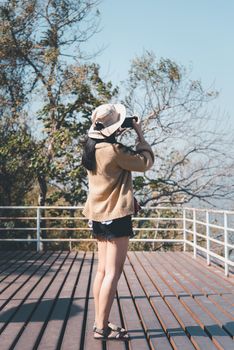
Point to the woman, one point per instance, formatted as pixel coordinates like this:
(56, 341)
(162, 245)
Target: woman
(110, 204)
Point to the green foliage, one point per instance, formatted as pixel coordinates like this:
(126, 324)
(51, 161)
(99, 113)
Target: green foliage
(138, 183)
(38, 38)
(16, 151)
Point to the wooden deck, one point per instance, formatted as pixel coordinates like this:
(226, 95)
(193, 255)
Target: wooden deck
(165, 300)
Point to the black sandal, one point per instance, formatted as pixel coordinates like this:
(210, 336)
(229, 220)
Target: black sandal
(109, 334)
(113, 327)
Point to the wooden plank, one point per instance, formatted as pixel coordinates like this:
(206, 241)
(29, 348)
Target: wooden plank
(194, 275)
(218, 271)
(228, 307)
(48, 302)
(171, 326)
(198, 337)
(181, 271)
(12, 279)
(223, 319)
(89, 342)
(6, 253)
(38, 320)
(131, 319)
(10, 254)
(53, 334)
(11, 260)
(116, 319)
(24, 302)
(153, 329)
(12, 304)
(74, 331)
(208, 272)
(221, 283)
(222, 315)
(217, 333)
(21, 281)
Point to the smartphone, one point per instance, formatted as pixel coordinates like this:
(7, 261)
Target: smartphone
(128, 122)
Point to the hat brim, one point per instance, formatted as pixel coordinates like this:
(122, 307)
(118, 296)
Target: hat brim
(108, 131)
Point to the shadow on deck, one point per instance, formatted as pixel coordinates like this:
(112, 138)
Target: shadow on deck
(165, 300)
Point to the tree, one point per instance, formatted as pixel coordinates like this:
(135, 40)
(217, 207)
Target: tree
(193, 155)
(16, 176)
(42, 40)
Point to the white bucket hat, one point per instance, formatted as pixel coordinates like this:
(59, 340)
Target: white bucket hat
(111, 116)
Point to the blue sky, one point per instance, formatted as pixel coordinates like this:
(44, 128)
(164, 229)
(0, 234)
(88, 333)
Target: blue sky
(197, 34)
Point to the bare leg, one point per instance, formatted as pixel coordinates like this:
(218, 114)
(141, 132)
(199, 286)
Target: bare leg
(116, 252)
(102, 244)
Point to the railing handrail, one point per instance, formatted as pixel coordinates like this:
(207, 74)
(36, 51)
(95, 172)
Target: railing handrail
(178, 208)
(181, 210)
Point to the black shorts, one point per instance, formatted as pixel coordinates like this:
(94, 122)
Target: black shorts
(120, 227)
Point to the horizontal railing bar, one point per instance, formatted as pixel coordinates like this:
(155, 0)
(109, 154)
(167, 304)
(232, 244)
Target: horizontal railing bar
(229, 262)
(201, 235)
(81, 229)
(64, 218)
(212, 239)
(45, 229)
(221, 242)
(42, 207)
(139, 239)
(17, 218)
(219, 211)
(216, 241)
(79, 207)
(143, 207)
(85, 219)
(207, 224)
(17, 228)
(214, 254)
(85, 239)
(19, 239)
(189, 231)
(157, 219)
(216, 226)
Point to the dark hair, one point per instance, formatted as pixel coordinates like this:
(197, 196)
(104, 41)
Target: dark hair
(88, 157)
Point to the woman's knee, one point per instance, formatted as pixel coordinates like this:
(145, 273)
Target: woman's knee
(112, 275)
(101, 272)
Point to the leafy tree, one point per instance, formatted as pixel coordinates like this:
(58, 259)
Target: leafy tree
(16, 176)
(193, 157)
(42, 40)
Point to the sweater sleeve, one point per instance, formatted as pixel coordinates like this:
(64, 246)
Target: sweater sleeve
(140, 160)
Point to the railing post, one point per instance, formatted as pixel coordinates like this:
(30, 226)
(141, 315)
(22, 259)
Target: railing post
(38, 229)
(184, 228)
(194, 234)
(207, 237)
(226, 250)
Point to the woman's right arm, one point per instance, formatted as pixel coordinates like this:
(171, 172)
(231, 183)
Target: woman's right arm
(142, 159)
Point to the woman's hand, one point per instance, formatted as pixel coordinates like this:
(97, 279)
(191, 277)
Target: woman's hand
(137, 126)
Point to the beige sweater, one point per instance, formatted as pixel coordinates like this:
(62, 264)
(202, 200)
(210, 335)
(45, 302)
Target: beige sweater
(110, 186)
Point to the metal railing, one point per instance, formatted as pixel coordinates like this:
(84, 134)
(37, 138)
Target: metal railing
(206, 231)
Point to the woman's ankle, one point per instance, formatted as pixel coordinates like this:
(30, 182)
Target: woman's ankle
(101, 325)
